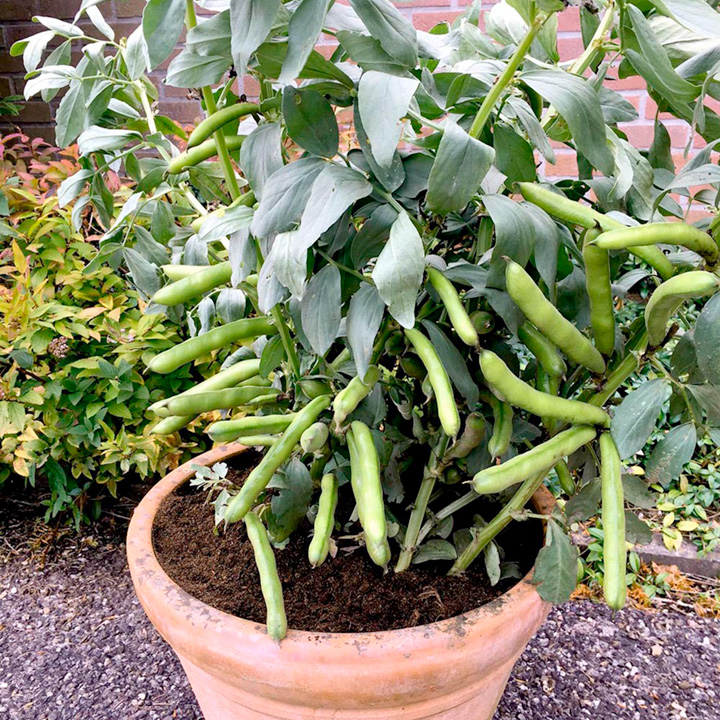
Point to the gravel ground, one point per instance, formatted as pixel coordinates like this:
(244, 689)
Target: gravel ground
(75, 645)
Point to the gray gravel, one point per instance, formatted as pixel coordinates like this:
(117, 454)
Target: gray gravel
(75, 645)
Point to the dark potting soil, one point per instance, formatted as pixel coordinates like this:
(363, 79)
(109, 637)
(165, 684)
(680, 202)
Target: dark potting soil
(347, 593)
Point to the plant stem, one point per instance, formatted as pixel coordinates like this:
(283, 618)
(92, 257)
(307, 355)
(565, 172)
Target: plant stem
(488, 533)
(447, 511)
(433, 470)
(424, 121)
(287, 342)
(506, 76)
(211, 107)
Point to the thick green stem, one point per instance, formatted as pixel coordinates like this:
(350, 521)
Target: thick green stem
(211, 107)
(281, 325)
(433, 470)
(447, 511)
(507, 76)
(488, 533)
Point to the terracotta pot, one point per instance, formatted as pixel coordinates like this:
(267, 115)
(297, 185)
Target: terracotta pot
(456, 669)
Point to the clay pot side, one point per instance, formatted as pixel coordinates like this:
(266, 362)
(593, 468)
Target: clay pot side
(455, 669)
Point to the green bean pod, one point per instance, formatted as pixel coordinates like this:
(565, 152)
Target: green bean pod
(259, 440)
(519, 394)
(548, 319)
(228, 430)
(201, 402)
(613, 519)
(170, 425)
(217, 120)
(204, 151)
(324, 521)
(459, 318)
(669, 296)
(269, 579)
(668, 233)
(439, 380)
(551, 386)
(472, 435)
(576, 213)
(194, 285)
(275, 457)
(368, 492)
(192, 349)
(547, 355)
(179, 272)
(347, 400)
(497, 478)
(599, 289)
(499, 442)
(566, 479)
(314, 438)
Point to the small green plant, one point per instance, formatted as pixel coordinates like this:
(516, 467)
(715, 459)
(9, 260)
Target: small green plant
(410, 284)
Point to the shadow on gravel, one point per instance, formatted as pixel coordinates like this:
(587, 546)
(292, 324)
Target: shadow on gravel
(75, 645)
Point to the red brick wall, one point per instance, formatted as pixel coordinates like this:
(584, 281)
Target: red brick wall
(125, 15)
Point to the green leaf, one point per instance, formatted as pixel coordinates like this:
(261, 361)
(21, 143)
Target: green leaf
(637, 531)
(144, 273)
(394, 31)
(250, 23)
(370, 239)
(637, 416)
(72, 186)
(579, 105)
(383, 100)
(460, 166)
(192, 70)
(230, 305)
(391, 178)
(707, 340)
(364, 316)
(556, 566)
(696, 15)
(271, 56)
(321, 305)
(529, 122)
(369, 55)
(310, 121)
(162, 22)
(513, 155)
(454, 363)
(399, 270)
(136, 54)
(272, 356)
(291, 500)
(653, 63)
(261, 155)
(585, 503)
(220, 226)
(514, 235)
(303, 32)
(435, 550)
(708, 396)
(671, 454)
(290, 265)
(334, 190)
(96, 139)
(637, 493)
(285, 194)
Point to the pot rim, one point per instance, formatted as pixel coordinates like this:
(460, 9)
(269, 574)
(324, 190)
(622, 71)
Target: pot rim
(147, 572)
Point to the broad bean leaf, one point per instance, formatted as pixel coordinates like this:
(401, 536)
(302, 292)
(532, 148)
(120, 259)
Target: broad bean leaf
(321, 306)
(261, 155)
(579, 105)
(310, 121)
(250, 23)
(162, 22)
(391, 177)
(303, 32)
(191, 70)
(383, 101)
(460, 166)
(371, 237)
(556, 566)
(637, 492)
(513, 155)
(364, 316)
(637, 531)
(72, 186)
(585, 503)
(369, 55)
(96, 139)
(394, 31)
(637, 416)
(707, 340)
(291, 500)
(399, 271)
(290, 265)
(697, 15)
(70, 116)
(435, 550)
(144, 273)
(514, 235)
(671, 454)
(454, 363)
(285, 194)
(230, 304)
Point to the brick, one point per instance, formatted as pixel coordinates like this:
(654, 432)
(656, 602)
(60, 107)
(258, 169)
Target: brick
(34, 112)
(569, 20)
(64, 9)
(565, 166)
(14, 10)
(129, 8)
(427, 20)
(180, 112)
(570, 47)
(641, 135)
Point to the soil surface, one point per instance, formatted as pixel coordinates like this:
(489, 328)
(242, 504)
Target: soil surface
(347, 593)
(75, 645)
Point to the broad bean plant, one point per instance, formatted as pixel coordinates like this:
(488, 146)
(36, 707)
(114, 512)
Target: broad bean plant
(407, 315)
